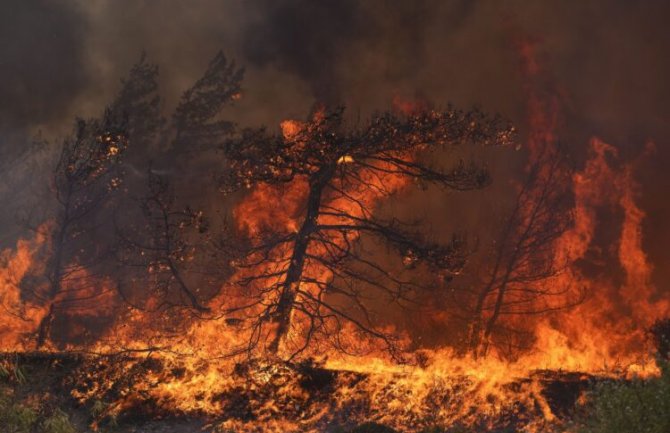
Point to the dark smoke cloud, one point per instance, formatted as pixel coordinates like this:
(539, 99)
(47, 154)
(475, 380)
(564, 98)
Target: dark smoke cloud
(306, 38)
(42, 66)
(42, 72)
(608, 57)
(322, 42)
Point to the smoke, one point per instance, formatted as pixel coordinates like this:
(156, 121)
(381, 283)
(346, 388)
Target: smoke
(606, 55)
(60, 59)
(308, 39)
(42, 63)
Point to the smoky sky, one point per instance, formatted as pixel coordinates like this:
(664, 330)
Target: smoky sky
(608, 58)
(41, 61)
(305, 38)
(62, 58)
(314, 39)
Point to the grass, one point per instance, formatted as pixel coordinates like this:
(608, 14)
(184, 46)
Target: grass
(18, 416)
(637, 406)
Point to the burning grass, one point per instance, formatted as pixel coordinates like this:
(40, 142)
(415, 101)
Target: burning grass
(305, 397)
(68, 393)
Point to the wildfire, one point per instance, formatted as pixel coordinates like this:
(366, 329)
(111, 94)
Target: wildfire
(599, 301)
(19, 319)
(590, 338)
(437, 387)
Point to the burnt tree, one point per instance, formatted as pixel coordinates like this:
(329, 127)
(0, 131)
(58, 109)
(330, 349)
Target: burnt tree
(519, 278)
(317, 274)
(86, 179)
(162, 255)
(167, 253)
(197, 122)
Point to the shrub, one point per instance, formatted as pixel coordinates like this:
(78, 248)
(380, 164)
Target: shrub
(18, 418)
(15, 418)
(58, 422)
(639, 406)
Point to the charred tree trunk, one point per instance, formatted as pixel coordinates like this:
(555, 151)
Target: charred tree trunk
(289, 288)
(371, 159)
(44, 328)
(174, 270)
(56, 274)
(476, 336)
(525, 234)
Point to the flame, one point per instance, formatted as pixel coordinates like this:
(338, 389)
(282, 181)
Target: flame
(279, 209)
(271, 207)
(18, 317)
(608, 329)
(595, 337)
(345, 159)
(601, 335)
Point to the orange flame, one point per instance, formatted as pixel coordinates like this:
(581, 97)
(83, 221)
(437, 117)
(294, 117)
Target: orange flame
(601, 335)
(18, 317)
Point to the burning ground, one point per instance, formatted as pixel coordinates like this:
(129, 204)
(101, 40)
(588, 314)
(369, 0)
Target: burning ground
(418, 268)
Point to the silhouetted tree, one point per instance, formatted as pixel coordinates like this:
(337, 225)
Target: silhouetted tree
(517, 280)
(312, 280)
(87, 177)
(168, 252)
(196, 120)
